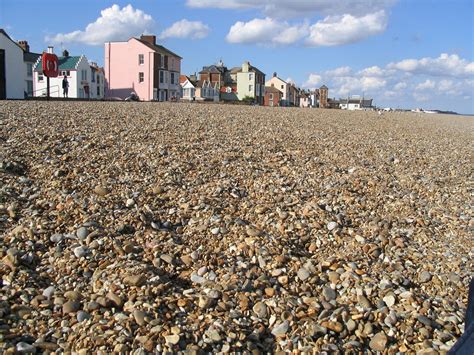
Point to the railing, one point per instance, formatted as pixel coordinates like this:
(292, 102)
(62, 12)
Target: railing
(45, 90)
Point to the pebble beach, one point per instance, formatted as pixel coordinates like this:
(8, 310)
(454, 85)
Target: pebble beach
(139, 227)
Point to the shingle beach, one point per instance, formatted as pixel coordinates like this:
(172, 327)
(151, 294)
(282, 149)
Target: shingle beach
(161, 227)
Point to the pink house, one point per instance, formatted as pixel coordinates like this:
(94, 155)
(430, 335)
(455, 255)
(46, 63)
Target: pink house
(142, 66)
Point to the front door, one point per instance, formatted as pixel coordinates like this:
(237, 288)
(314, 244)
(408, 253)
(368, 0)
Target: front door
(3, 76)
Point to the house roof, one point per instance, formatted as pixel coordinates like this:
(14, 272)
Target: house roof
(158, 48)
(183, 78)
(65, 63)
(324, 87)
(27, 56)
(251, 69)
(272, 89)
(213, 69)
(30, 57)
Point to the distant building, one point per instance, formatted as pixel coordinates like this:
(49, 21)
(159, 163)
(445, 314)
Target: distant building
(305, 99)
(281, 85)
(188, 88)
(144, 67)
(356, 103)
(250, 83)
(29, 59)
(323, 96)
(81, 76)
(16, 76)
(273, 96)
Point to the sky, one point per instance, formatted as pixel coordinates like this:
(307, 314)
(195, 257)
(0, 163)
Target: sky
(401, 53)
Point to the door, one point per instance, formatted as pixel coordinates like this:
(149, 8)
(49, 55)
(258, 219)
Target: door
(3, 76)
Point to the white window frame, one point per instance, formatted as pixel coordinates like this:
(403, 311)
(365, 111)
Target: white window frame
(141, 77)
(141, 59)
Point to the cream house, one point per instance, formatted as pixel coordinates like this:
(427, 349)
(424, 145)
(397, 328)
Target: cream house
(250, 83)
(281, 85)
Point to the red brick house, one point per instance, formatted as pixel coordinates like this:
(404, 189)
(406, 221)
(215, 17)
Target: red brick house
(272, 97)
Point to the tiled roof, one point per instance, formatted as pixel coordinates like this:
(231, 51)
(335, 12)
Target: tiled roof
(31, 57)
(272, 89)
(158, 48)
(65, 63)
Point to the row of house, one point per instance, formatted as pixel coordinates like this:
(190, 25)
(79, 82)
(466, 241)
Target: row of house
(152, 72)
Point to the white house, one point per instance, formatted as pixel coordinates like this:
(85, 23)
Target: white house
(207, 91)
(281, 85)
(81, 76)
(12, 68)
(188, 89)
(355, 103)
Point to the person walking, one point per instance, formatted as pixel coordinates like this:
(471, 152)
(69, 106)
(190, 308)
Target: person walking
(65, 86)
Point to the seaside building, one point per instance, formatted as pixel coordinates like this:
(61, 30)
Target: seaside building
(273, 96)
(281, 85)
(142, 66)
(323, 96)
(16, 68)
(86, 80)
(356, 103)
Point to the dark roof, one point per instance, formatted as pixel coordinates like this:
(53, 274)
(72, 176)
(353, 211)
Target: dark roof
(251, 69)
(272, 89)
(30, 57)
(213, 69)
(324, 87)
(6, 35)
(65, 63)
(158, 48)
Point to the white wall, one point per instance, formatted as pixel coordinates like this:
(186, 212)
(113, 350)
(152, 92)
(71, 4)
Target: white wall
(15, 70)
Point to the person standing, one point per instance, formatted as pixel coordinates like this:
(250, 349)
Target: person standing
(65, 86)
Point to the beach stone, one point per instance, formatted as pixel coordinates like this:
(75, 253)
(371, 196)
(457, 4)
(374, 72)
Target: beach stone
(424, 277)
(331, 225)
(71, 307)
(303, 274)
(80, 251)
(101, 191)
(139, 317)
(364, 302)
(135, 280)
(281, 329)
(82, 233)
(260, 309)
(82, 316)
(48, 292)
(25, 348)
(329, 294)
(389, 300)
(172, 339)
(378, 342)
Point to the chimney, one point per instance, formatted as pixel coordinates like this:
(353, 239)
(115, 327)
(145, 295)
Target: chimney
(65, 53)
(149, 39)
(245, 67)
(24, 45)
(51, 49)
(274, 74)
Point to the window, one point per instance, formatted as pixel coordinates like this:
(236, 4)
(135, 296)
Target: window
(172, 78)
(93, 78)
(98, 88)
(250, 76)
(98, 79)
(172, 63)
(84, 75)
(271, 96)
(282, 86)
(250, 87)
(141, 77)
(162, 77)
(40, 77)
(29, 69)
(141, 59)
(29, 87)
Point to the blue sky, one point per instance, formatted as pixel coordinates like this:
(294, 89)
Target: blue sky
(403, 53)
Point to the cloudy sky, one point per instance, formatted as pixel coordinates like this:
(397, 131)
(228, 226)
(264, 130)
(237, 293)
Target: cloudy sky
(403, 53)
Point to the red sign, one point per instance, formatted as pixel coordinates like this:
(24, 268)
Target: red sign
(50, 65)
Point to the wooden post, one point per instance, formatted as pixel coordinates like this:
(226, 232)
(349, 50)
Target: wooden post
(47, 87)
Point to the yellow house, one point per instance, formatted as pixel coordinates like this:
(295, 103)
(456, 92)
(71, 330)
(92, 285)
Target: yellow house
(250, 82)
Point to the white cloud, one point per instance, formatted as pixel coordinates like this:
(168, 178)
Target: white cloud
(314, 80)
(341, 71)
(444, 65)
(426, 85)
(421, 97)
(445, 85)
(297, 8)
(372, 71)
(186, 29)
(265, 31)
(338, 30)
(114, 24)
(400, 86)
